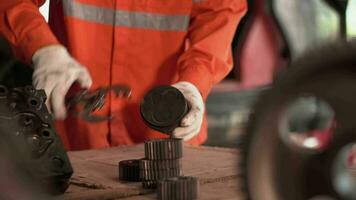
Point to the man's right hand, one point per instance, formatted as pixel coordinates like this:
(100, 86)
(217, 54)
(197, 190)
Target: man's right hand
(55, 71)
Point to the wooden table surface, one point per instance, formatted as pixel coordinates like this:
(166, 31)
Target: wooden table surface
(96, 173)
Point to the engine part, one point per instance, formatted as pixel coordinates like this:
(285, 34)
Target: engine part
(163, 108)
(149, 184)
(281, 161)
(154, 175)
(129, 170)
(92, 101)
(164, 149)
(178, 188)
(29, 139)
(153, 170)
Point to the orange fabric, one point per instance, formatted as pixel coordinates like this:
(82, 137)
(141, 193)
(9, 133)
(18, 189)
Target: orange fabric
(140, 57)
(24, 27)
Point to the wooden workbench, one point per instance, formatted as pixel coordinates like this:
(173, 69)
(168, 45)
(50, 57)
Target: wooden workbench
(96, 174)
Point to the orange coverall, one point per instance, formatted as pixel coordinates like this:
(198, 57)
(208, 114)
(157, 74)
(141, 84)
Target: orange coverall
(141, 43)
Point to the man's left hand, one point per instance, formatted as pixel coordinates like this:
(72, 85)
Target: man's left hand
(191, 123)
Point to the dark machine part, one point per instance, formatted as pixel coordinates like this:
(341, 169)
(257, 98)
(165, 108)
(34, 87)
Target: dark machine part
(272, 168)
(29, 138)
(129, 170)
(154, 170)
(163, 108)
(164, 149)
(92, 101)
(178, 188)
(149, 184)
(154, 176)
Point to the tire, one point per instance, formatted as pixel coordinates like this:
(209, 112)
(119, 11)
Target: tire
(271, 169)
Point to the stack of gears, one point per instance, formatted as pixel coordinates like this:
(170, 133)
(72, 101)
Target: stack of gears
(162, 169)
(162, 160)
(162, 109)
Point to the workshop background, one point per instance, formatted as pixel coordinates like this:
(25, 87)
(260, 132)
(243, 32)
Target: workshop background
(278, 31)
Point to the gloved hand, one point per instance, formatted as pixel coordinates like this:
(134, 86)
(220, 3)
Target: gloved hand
(55, 71)
(191, 123)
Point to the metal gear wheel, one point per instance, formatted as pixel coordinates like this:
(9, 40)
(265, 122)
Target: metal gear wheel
(164, 149)
(129, 170)
(153, 170)
(149, 184)
(178, 188)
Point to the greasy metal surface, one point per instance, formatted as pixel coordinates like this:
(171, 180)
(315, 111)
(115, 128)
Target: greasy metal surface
(164, 149)
(92, 101)
(129, 170)
(154, 170)
(162, 160)
(163, 107)
(29, 139)
(178, 188)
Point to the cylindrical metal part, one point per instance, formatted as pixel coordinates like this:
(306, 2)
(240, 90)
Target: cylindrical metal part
(153, 170)
(129, 170)
(164, 149)
(163, 108)
(178, 188)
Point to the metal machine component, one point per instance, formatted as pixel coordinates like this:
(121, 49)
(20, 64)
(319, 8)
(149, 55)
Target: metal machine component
(149, 184)
(178, 188)
(92, 101)
(164, 149)
(129, 170)
(162, 160)
(163, 108)
(30, 142)
(300, 139)
(155, 170)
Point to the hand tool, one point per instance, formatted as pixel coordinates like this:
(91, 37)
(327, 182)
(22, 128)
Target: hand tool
(95, 100)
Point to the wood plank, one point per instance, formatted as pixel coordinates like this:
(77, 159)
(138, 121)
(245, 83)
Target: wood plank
(226, 190)
(96, 174)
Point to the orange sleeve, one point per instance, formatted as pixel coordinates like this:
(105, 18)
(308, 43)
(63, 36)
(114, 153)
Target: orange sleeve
(208, 59)
(24, 27)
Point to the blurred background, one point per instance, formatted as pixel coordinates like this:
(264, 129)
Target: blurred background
(278, 31)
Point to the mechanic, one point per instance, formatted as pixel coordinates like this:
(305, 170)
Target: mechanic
(141, 43)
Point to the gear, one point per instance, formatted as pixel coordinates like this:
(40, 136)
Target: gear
(164, 149)
(178, 188)
(159, 164)
(129, 170)
(154, 175)
(163, 108)
(149, 184)
(153, 170)
(276, 167)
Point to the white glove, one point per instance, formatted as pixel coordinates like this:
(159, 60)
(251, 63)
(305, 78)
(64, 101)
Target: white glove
(55, 71)
(191, 123)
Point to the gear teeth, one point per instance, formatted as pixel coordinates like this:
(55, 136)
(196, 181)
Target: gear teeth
(153, 170)
(164, 149)
(159, 164)
(129, 170)
(178, 188)
(149, 184)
